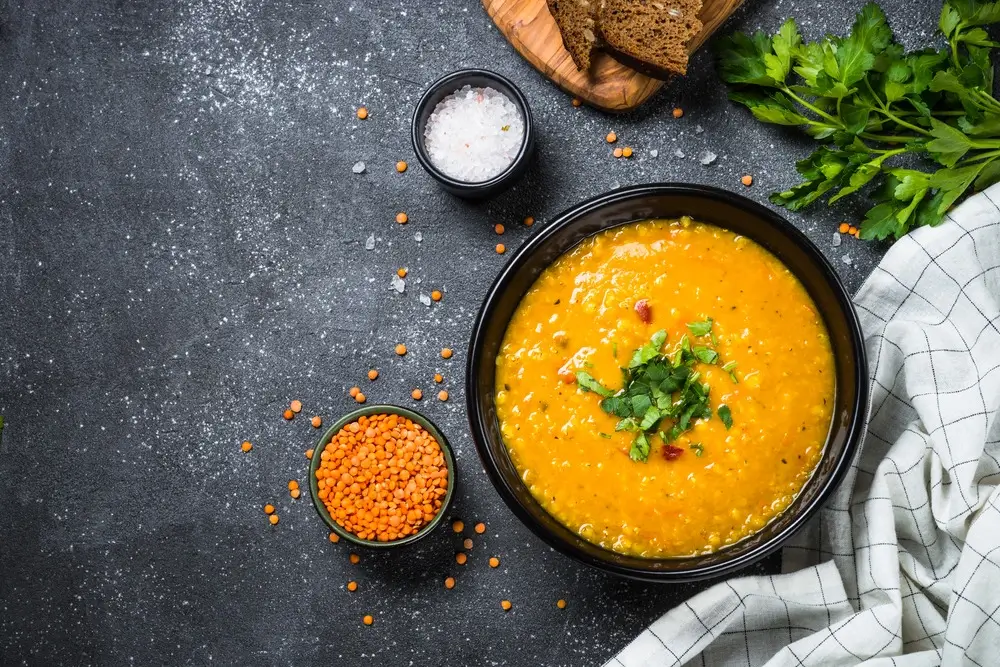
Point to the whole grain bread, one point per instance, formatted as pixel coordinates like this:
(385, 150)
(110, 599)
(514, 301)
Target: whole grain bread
(577, 21)
(649, 35)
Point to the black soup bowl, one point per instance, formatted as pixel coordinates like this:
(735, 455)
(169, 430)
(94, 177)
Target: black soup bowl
(704, 204)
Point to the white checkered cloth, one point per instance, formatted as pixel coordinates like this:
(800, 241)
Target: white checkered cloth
(902, 567)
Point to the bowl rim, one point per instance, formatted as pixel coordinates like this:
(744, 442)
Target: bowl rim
(354, 415)
(859, 409)
(416, 131)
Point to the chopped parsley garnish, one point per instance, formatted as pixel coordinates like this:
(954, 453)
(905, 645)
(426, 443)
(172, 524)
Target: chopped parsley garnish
(726, 415)
(697, 448)
(730, 367)
(661, 394)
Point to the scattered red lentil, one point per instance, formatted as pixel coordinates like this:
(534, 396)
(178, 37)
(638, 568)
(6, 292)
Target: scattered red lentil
(561, 604)
(461, 558)
(292, 484)
(334, 537)
(401, 166)
(627, 151)
(288, 414)
(269, 509)
(372, 374)
(295, 493)
(611, 138)
(577, 101)
(362, 113)
(529, 221)
(442, 395)
(449, 583)
(296, 406)
(316, 422)
(402, 218)
(354, 391)
(355, 559)
(401, 272)
(368, 620)
(400, 349)
(382, 478)
(844, 228)
(309, 454)
(678, 112)
(467, 543)
(436, 295)
(852, 230)
(498, 228)
(273, 519)
(501, 249)
(494, 562)
(505, 605)
(416, 394)
(618, 152)
(438, 378)
(360, 398)
(352, 586)
(457, 526)
(480, 528)
(446, 353)
(246, 446)
(747, 180)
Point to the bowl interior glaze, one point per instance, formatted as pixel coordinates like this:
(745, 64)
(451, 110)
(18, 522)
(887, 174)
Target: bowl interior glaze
(704, 204)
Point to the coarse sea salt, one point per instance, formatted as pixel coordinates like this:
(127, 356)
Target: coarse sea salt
(474, 134)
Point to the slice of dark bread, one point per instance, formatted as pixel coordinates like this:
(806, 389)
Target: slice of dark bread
(577, 21)
(650, 36)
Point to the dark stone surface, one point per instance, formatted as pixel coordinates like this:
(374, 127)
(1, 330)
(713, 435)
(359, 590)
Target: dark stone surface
(182, 253)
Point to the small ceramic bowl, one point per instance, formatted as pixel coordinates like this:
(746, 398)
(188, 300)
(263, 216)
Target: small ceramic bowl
(448, 84)
(417, 418)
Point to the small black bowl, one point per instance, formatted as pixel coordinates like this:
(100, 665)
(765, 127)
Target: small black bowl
(447, 85)
(723, 209)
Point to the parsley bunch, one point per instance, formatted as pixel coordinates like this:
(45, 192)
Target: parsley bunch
(661, 393)
(871, 104)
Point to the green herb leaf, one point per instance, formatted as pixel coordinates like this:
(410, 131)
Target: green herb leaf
(778, 64)
(640, 448)
(587, 382)
(617, 405)
(698, 448)
(606, 436)
(726, 415)
(702, 328)
(648, 351)
(706, 355)
(730, 367)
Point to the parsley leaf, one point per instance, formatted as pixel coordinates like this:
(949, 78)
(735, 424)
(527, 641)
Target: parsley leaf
(587, 382)
(699, 449)
(726, 415)
(702, 328)
(640, 448)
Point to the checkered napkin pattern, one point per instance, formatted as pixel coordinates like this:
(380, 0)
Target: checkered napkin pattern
(902, 566)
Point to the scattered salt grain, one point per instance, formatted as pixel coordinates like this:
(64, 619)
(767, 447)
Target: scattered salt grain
(698, 129)
(418, 237)
(474, 134)
(398, 284)
(358, 168)
(846, 259)
(654, 153)
(708, 157)
(424, 299)
(837, 240)
(679, 153)
(370, 242)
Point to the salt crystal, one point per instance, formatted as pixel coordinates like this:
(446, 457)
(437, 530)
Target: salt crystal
(698, 129)
(418, 237)
(398, 284)
(846, 259)
(678, 153)
(474, 134)
(708, 157)
(358, 168)
(424, 299)
(370, 242)
(654, 153)
(837, 240)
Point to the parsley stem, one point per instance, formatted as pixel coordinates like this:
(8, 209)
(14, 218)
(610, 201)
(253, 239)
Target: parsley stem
(989, 155)
(887, 138)
(819, 112)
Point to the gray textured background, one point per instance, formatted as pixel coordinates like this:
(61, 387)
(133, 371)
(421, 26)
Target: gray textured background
(182, 253)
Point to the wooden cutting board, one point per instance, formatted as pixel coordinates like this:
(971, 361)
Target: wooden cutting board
(530, 28)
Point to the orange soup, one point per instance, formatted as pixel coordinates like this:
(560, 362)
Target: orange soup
(707, 324)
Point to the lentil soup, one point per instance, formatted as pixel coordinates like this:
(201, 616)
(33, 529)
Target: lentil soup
(720, 479)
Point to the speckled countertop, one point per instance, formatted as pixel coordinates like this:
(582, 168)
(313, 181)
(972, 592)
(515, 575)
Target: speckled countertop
(182, 251)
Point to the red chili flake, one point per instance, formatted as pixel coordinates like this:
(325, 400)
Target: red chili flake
(643, 311)
(671, 452)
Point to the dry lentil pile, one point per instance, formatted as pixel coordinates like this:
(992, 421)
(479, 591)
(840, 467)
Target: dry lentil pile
(382, 477)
